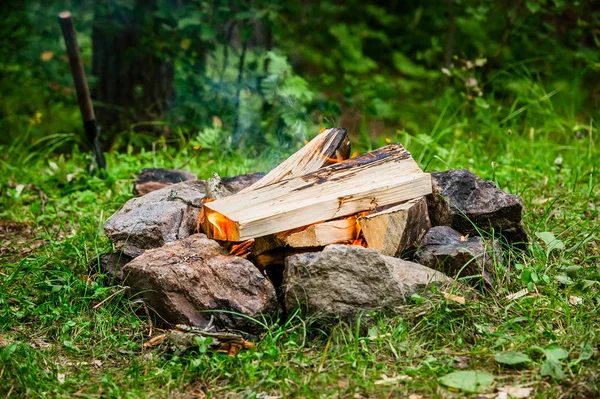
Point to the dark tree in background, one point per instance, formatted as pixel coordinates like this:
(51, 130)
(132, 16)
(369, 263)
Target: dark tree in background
(134, 77)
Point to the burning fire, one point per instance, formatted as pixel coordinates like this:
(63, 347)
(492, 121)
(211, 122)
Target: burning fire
(215, 225)
(221, 226)
(330, 160)
(242, 249)
(359, 242)
(201, 215)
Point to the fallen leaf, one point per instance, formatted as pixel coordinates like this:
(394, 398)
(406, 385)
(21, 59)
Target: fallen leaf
(575, 300)
(247, 344)
(455, 298)
(468, 381)
(516, 392)
(541, 201)
(512, 358)
(159, 339)
(234, 349)
(390, 380)
(415, 396)
(517, 295)
(61, 378)
(464, 238)
(3, 341)
(39, 343)
(47, 56)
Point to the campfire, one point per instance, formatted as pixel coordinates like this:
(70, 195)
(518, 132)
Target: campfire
(380, 206)
(321, 196)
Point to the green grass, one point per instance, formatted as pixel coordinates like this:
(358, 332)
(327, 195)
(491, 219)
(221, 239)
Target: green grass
(54, 343)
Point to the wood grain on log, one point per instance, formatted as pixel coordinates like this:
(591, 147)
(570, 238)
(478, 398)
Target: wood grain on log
(396, 229)
(382, 177)
(330, 146)
(316, 235)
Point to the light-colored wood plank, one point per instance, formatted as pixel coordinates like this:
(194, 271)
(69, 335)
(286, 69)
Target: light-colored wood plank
(321, 234)
(396, 229)
(382, 177)
(316, 235)
(329, 146)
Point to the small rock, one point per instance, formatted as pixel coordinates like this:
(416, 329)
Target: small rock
(343, 280)
(152, 179)
(111, 263)
(238, 183)
(185, 281)
(462, 201)
(165, 215)
(446, 250)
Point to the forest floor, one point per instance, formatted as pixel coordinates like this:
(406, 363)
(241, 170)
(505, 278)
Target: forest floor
(54, 341)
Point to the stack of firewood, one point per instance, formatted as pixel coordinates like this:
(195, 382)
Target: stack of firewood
(321, 196)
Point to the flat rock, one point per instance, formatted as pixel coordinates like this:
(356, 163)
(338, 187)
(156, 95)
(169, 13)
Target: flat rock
(344, 280)
(188, 281)
(163, 215)
(448, 251)
(467, 203)
(152, 179)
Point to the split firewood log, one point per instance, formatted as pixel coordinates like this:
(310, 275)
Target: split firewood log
(382, 177)
(394, 230)
(329, 146)
(316, 235)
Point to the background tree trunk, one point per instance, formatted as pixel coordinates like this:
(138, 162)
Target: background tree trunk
(134, 84)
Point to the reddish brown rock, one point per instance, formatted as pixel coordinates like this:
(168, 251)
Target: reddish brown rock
(188, 281)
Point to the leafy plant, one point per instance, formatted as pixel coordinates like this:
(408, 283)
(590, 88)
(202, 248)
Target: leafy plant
(552, 365)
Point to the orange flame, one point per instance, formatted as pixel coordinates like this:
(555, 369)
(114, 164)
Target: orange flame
(242, 249)
(201, 216)
(359, 242)
(219, 226)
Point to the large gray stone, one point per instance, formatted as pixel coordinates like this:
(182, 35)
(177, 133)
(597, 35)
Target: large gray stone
(164, 215)
(345, 280)
(467, 203)
(448, 251)
(188, 281)
(156, 218)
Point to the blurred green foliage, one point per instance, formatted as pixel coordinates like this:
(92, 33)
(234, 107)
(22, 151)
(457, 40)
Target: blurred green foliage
(269, 73)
